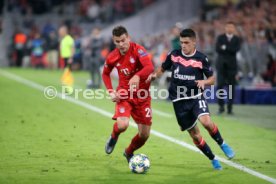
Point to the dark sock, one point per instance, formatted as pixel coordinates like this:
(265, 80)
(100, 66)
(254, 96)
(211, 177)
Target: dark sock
(215, 134)
(116, 131)
(203, 146)
(136, 143)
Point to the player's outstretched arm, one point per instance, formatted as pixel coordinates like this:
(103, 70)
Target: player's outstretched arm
(158, 73)
(202, 83)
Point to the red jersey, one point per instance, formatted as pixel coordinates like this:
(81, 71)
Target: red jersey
(136, 61)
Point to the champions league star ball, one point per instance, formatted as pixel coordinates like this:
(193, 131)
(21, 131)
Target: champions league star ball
(139, 164)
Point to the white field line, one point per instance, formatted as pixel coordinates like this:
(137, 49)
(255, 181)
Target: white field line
(161, 113)
(154, 132)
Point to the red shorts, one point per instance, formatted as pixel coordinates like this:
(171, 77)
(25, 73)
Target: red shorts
(139, 109)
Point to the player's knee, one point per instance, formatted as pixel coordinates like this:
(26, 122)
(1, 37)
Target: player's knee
(196, 136)
(207, 123)
(123, 124)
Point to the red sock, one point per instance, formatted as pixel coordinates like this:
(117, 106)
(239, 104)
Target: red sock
(214, 131)
(215, 134)
(136, 143)
(200, 144)
(206, 150)
(116, 131)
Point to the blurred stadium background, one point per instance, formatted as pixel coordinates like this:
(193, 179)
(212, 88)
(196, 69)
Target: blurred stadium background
(26, 27)
(43, 141)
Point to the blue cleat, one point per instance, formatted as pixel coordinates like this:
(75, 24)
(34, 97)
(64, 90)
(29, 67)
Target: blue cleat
(227, 150)
(216, 165)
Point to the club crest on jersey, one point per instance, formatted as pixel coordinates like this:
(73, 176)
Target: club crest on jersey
(122, 110)
(142, 53)
(132, 60)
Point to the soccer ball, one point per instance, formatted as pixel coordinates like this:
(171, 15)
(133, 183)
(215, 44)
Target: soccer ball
(139, 164)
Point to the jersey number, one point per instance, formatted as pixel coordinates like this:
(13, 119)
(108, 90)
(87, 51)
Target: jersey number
(202, 104)
(148, 112)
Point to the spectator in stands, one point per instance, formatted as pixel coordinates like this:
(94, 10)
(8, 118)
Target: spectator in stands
(1, 26)
(175, 31)
(77, 60)
(37, 51)
(93, 12)
(270, 73)
(47, 29)
(227, 46)
(19, 44)
(249, 57)
(52, 50)
(96, 45)
(106, 8)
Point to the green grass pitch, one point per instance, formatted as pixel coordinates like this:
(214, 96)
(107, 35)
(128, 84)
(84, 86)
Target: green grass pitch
(55, 141)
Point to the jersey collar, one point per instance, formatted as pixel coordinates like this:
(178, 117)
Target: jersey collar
(188, 55)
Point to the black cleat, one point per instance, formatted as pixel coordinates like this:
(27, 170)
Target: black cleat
(110, 145)
(220, 112)
(128, 157)
(230, 113)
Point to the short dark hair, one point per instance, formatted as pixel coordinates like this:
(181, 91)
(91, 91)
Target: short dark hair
(119, 30)
(188, 33)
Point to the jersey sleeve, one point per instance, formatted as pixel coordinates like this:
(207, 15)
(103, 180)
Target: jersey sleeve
(108, 67)
(206, 67)
(167, 64)
(146, 63)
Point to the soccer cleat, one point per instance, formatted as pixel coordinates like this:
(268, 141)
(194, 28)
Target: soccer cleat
(227, 150)
(110, 145)
(220, 112)
(128, 157)
(230, 113)
(216, 165)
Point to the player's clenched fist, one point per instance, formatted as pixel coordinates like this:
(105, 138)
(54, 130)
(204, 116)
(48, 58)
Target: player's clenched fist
(114, 96)
(134, 83)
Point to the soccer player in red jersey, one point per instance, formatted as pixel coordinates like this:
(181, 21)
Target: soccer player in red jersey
(132, 95)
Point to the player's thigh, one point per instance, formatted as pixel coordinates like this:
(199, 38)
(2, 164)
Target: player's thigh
(141, 111)
(184, 115)
(206, 121)
(200, 107)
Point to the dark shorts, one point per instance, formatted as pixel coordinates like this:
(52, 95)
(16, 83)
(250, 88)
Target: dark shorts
(188, 111)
